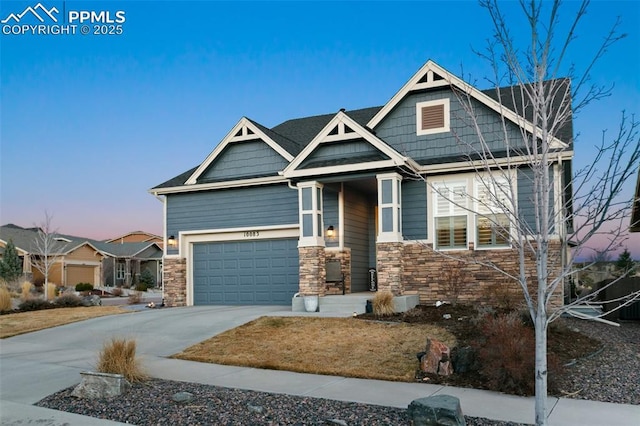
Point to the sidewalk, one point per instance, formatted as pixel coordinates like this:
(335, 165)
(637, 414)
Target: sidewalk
(57, 356)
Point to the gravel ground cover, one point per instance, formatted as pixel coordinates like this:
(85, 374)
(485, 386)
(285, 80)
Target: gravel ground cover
(610, 375)
(152, 404)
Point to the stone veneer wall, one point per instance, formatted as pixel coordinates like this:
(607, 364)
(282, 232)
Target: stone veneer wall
(432, 276)
(312, 270)
(390, 267)
(175, 281)
(344, 256)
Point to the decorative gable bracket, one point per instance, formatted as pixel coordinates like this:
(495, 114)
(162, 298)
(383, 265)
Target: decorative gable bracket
(244, 130)
(343, 128)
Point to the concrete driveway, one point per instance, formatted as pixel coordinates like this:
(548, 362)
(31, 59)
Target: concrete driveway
(38, 364)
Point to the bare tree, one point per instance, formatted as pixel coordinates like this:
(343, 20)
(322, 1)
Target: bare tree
(45, 254)
(549, 103)
(587, 203)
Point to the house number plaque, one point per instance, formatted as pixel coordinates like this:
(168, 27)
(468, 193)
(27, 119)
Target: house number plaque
(251, 234)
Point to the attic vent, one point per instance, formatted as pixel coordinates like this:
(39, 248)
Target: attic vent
(249, 131)
(424, 79)
(65, 240)
(239, 133)
(348, 129)
(432, 117)
(437, 77)
(334, 131)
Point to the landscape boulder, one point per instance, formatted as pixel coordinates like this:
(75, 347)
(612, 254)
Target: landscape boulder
(438, 410)
(92, 300)
(436, 358)
(100, 385)
(464, 359)
(182, 397)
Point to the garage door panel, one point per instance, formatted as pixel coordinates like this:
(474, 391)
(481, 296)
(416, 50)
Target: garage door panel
(245, 272)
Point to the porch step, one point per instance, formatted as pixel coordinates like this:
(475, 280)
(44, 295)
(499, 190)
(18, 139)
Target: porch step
(589, 310)
(353, 303)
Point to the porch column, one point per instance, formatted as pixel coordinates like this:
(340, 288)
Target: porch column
(390, 267)
(175, 281)
(312, 270)
(390, 248)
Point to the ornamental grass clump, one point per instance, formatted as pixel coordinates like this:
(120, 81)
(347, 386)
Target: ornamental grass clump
(5, 299)
(383, 304)
(25, 290)
(118, 356)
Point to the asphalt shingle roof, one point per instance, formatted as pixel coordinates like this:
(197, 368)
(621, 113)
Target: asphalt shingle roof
(26, 238)
(303, 130)
(293, 135)
(511, 98)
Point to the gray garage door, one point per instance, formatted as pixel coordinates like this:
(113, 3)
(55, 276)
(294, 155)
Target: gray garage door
(257, 272)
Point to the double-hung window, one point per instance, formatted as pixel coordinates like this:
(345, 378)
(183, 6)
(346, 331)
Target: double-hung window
(311, 214)
(120, 271)
(493, 227)
(450, 215)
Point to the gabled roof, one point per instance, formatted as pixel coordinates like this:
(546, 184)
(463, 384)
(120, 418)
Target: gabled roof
(291, 138)
(244, 130)
(343, 128)
(25, 239)
(432, 75)
(303, 130)
(147, 236)
(124, 250)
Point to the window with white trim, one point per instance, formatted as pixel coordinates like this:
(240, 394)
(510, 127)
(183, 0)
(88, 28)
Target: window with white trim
(120, 271)
(432, 117)
(311, 223)
(493, 227)
(389, 202)
(450, 215)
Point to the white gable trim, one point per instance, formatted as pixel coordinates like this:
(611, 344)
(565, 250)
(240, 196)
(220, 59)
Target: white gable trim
(244, 126)
(341, 120)
(430, 69)
(268, 180)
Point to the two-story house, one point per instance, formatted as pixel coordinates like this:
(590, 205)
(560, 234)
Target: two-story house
(269, 209)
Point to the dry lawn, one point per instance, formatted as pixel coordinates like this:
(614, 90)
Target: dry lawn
(26, 322)
(335, 346)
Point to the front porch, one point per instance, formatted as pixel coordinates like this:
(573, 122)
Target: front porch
(354, 303)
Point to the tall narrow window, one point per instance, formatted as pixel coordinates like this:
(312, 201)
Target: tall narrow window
(432, 117)
(389, 201)
(311, 223)
(450, 215)
(492, 220)
(120, 272)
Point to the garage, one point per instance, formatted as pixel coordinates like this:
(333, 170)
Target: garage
(256, 272)
(80, 274)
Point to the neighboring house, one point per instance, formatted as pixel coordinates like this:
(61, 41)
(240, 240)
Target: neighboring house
(86, 260)
(271, 210)
(124, 262)
(76, 260)
(137, 237)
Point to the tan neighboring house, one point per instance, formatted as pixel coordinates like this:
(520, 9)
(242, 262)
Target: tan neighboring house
(74, 261)
(137, 237)
(115, 262)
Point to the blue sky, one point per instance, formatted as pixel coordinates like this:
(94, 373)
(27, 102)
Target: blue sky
(90, 122)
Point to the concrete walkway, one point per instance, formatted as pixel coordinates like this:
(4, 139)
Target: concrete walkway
(35, 365)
